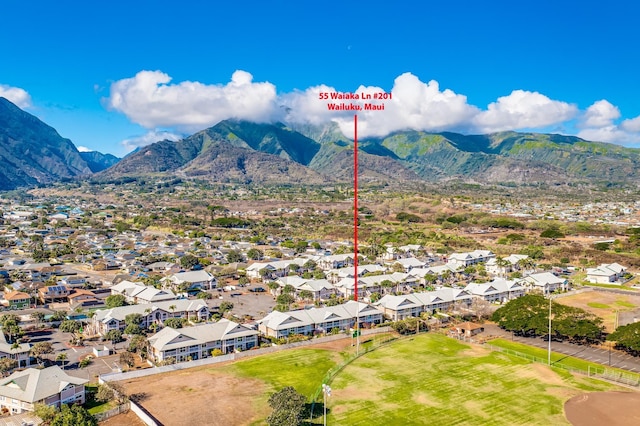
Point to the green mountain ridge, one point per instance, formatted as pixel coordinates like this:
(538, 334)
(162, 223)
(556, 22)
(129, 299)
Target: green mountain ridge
(33, 153)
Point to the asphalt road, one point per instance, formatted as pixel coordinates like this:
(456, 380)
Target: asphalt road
(604, 355)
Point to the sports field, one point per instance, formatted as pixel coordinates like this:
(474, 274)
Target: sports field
(427, 379)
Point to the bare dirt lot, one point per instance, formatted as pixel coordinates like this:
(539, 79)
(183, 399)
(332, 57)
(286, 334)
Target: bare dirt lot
(228, 399)
(604, 304)
(604, 408)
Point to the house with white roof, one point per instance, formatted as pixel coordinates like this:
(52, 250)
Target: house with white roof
(462, 260)
(106, 320)
(22, 390)
(196, 342)
(202, 280)
(319, 320)
(409, 263)
(139, 293)
(412, 305)
(511, 263)
(400, 282)
(498, 290)
(275, 269)
(606, 273)
(335, 275)
(334, 261)
(544, 282)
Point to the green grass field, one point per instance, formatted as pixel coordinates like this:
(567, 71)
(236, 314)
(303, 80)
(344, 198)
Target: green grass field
(427, 379)
(434, 380)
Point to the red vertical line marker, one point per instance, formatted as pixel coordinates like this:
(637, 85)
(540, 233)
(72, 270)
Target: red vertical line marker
(355, 204)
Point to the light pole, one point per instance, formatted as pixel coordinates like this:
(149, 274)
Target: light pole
(326, 390)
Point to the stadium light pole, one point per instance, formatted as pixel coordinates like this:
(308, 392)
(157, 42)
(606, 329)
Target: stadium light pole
(326, 391)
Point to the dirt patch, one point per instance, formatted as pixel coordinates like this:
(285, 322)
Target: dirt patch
(604, 408)
(336, 345)
(126, 419)
(214, 397)
(615, 303)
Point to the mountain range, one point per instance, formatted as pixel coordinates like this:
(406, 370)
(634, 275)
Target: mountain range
(32, 153)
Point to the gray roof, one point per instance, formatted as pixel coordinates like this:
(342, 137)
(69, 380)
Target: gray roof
(120, 313)
(170, 338)
(33, 385)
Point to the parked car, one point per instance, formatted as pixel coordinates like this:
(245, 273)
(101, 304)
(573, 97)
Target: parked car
(257, 290)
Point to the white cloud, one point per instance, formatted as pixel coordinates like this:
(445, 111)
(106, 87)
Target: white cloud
(598, 123)
(148, 138)
(631, 125)
(523, 110)
(84, 149)
(600, 114)
(413, 105)
(149, 100)
(18, 96)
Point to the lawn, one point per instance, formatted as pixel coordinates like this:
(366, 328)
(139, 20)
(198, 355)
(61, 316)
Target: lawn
(432, 379)
(425, 379)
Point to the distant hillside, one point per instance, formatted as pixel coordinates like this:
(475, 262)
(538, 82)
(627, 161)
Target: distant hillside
(32, 152)
(222, 152)
(98, 161)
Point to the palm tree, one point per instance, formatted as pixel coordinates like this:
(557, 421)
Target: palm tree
(173, 310)
(502, 264)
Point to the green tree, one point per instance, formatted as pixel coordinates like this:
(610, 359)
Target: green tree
(70, 326)
(174, 322)
(127, 359)
(46, 412)
(225, 307)
(189, 261)
(115, 336)
(234, 256)
(40, 349)
(62, 357)
(115, 300)
(288, 407)
(254, 254)
(76, 416)
(7, 364)
(627, 338)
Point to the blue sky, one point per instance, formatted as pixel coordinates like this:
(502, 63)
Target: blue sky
(114, 75)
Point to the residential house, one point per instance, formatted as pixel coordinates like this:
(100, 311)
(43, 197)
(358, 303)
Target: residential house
(53, 293)
(106, 320)
(606, 273)
(462, 260)
(275, 269)
(191, 343)
(334, 261)
(544, 282)
(22, 390)
(412, 305)
(498, 290)
(16, 300)
(319, 320)
(409, 263)
(19, 352)
(335, 275)
(510, 263)
(80, 298)
(139, 293)
(192, 280)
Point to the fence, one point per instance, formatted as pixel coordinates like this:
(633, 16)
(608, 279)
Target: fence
(629, 379)
(114, 377)
(337, 369)
(122, 408)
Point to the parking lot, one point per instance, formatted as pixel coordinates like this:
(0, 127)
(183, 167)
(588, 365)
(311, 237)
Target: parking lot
(245, 303)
